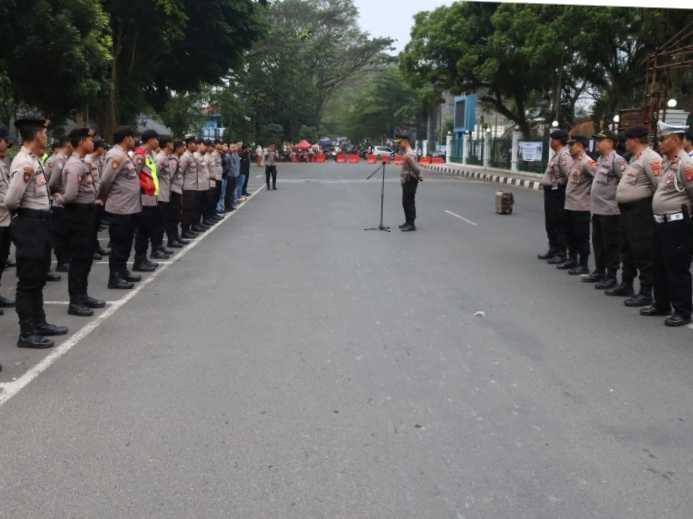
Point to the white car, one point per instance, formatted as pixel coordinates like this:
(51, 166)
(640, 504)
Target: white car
(379, 151)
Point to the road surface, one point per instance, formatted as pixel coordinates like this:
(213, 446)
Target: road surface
(291, 365)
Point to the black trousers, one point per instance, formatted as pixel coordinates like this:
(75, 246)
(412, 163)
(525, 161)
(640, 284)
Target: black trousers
(579, 235)
(556, 218)
(98, 218)
(80, 221)
(169, 212)
(210, 201)
(230, 195)
(409, 200)
(5, 241)
(59, 228)
(606, 243)
(271, 171)
(122, 232)
(245, 183)
(189, 202)
(637, 247)
(146, 224)
(673, 249)
(31, 234)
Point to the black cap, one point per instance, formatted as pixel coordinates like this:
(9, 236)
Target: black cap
(605, 134)
(121, 132)
(148, 135)
(5, 135)
(637, 132)
(561, 135)
(580, 139)
(29, 126)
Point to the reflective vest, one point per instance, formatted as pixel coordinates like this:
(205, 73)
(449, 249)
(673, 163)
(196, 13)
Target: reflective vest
(151, 166)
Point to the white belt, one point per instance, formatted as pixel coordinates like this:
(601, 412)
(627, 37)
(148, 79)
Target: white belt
(667, 218)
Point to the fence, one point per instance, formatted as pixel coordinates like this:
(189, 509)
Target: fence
(500, 155)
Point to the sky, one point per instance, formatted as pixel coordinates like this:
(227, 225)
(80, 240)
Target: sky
(393, 18)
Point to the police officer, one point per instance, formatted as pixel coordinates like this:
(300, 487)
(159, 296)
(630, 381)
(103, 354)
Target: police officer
(216, 167)
(56, 183)
(410, 176)
(147, 220)
(163, 171)
(189, 170)
(554, 182)
(95, 161)
(5, 217)
(120, 191)
(671, 205)
(634, 196)
(605, 213)
(175, 209)
(79, 200)
(27, 196)
(578, 202)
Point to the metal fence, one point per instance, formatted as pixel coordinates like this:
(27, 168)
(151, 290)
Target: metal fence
(500, 153)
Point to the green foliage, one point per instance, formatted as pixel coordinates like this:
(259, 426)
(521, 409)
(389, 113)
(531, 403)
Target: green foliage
(182, 113)
(310, 133)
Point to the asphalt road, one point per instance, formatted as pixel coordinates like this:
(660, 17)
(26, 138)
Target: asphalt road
(291, 365)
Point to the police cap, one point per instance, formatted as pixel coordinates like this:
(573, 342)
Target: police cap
(605, 134)
(637, 132)
(560, 135)
(579, 139)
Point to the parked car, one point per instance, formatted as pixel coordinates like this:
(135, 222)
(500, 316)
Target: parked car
(380, 151)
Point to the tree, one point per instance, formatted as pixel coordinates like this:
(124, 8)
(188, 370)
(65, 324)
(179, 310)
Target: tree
(55, 53)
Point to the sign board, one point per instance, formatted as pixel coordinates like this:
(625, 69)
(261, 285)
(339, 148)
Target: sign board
(531, 151)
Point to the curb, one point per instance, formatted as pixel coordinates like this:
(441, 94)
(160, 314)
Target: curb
(485, 176)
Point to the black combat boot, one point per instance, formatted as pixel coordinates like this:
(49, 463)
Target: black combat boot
(644, 298)
(79, 308)
(50, 330)
(595, 277)
(143, 265)
(117, 282)
(625, 289)
(677, 320)
(608, 283)
(558, 259)
(91, 302)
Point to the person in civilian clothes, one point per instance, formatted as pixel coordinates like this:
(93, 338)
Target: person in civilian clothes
(79, 200)
(245, 168)
(121, 193)
(634, 196)
(95, 161)
(221, 201)
(27, 197)
(578, 205)
(672, 204)
(271, 166)
(605, 213)
(5, 217)
(236, 171)
(227, 164)
(240, 181)
(554, 182)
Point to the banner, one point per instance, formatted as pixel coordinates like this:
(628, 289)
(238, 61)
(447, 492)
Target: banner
(531, 151)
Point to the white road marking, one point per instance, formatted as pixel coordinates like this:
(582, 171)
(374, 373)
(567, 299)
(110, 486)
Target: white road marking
(462, 218)
(65, 303)
(10, 389)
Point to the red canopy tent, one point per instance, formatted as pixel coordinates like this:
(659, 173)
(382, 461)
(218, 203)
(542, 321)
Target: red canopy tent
(304, 145)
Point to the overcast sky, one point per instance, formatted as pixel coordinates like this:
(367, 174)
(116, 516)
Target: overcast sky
(393, 18)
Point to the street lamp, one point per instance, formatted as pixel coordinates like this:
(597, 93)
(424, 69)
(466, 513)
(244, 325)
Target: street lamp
(554, 124)
(616, 119)
(671, 103)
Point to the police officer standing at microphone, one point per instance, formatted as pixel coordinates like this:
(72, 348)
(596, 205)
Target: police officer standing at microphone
(27, 197)
(410, 177)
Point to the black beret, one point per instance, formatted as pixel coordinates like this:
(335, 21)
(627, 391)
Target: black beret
(561, 135)
(605, 134)
(637, 132)
(148, 135)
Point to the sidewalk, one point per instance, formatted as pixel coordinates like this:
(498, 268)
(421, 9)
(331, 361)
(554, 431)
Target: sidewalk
(500, 176)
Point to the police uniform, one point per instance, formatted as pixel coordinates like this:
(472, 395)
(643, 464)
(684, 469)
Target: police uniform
(190, 170)
(671, 206)
(5, 218)
(148, 220)
(27, 196)
(175, 213)
(605, 217)
(80, 219)
(56, 186)
(410, 176)
(120, 188)
(213, 193)
(555, 216)
(634, 196)
(163, 171)
(271, 168)
(203, 187)
(578, 205)
(96, 162)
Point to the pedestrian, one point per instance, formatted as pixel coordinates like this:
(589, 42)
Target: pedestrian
(79, 200)
(121, 193)
(634, 196)
(245, 168)
(578, 206)
(164, 174)
(605, 213)
(410, 177)
(259, 154)
(236, 172)
(554, 183)
(5, 218)
(230, 185)
(271, 166)
(27, 197)
(671, 205)
(223, 155)
(95, 161)
(147, 221)
(189, 168)
(56, 187)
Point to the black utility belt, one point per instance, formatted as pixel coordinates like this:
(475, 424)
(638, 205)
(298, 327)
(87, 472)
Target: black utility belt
(670, 218)
(35, 214)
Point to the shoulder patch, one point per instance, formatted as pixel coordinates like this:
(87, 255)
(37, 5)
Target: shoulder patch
(115, 164)
(656, 167)
(688, 172)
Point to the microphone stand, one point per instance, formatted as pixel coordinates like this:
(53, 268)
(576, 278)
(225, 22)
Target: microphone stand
(380, 227)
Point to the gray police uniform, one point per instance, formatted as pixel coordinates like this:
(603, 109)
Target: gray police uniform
(27, 195)
(555, 216)
(56, 187)
(5, 218)
(190, 171)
